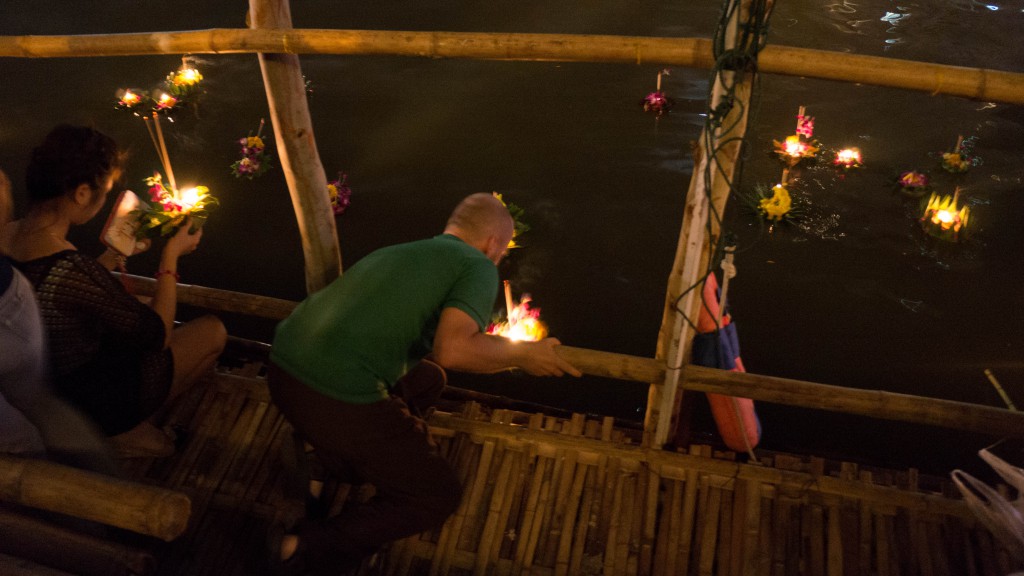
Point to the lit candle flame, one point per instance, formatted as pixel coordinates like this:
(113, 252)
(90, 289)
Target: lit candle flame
(190, 197)
(848, 157)
(523, 323)
(130, 98)
(794, 147)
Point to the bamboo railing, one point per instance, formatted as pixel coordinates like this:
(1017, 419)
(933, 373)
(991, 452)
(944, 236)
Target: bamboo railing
(872, 403)
(137, 507)
(976, 83)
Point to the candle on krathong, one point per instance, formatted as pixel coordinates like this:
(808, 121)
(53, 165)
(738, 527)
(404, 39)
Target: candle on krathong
(128, 99)
(943, 219)
(848, 158)
(522, 323)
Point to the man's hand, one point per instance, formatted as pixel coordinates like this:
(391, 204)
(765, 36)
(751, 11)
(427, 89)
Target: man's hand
(459, 345)
(543, 360)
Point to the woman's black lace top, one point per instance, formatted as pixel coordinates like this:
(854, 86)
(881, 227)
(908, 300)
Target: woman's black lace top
(106, 347)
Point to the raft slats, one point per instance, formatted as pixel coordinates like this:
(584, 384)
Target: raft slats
(547, 496)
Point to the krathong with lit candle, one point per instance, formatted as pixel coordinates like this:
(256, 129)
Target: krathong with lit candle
(942, 219)
(801, 145)
(339, 193)
(914, 184)
(131, 100)
(657, 102)
(961, 158)
(169, 206)
(522, 321)
(519, 226)
(848, 158)
(255, 159)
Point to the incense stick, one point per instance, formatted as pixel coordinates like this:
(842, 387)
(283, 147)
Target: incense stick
(508, 300)
(1002, 393)
(163, 156)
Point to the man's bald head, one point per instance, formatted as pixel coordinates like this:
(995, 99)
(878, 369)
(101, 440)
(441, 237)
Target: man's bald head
(482, 221)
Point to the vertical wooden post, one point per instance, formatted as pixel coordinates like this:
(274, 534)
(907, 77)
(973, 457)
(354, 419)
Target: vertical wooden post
(709, 189)
(296, 148)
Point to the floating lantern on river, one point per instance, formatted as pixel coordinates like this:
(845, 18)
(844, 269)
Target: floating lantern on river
(942, 219)
(913, 183)
(657, 102)
(961, 159)
(799, 146)
(339, 193)
(128, 99)
(522, 322)
(848, 158)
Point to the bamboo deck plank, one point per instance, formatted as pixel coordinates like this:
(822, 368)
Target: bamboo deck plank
(649, 522)
(709, 530)
(816, 535)
(726, 537)
(611, 543)
(586, 519)
(570, 520)
(484, 560)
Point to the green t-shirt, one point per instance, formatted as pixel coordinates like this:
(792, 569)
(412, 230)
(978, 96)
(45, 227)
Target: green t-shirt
(353, 339)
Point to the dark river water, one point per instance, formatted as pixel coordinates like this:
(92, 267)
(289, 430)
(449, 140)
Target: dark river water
(855, 295)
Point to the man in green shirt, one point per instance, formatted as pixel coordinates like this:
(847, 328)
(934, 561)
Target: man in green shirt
(337, 357)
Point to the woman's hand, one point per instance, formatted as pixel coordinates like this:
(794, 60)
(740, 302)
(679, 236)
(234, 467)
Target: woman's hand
(141, 246)
(184, 241)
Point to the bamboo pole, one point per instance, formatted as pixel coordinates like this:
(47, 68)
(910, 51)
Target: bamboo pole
(873, 403)
(296, 148)
(137, 507)
(710, 186)
(975, 83)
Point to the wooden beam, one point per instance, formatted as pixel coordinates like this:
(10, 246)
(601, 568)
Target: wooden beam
(296, 148)
(873, 403)
(976, 83)
(137, 507)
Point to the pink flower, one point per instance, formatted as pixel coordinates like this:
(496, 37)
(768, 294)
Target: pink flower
(913, 179)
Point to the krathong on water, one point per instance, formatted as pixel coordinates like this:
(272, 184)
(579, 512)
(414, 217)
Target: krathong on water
(801, 145)
(255, 159)
(942, 219)
(961, 158)
(522, 322)
(848, 158)
(658, 102)
(914, 184)
(339, 193)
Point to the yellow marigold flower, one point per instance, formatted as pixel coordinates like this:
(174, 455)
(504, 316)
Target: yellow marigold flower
(254, 142)
(332, 192)
(776, 207)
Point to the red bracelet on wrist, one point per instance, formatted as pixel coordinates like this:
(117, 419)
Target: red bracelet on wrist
(160, 273)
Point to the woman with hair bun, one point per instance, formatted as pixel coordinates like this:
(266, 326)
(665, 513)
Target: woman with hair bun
(113, 357)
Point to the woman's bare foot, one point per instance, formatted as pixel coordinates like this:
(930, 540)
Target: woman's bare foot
(143, 441)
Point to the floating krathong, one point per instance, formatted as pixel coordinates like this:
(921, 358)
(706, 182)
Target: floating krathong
(799, 146)
(961, 159)
(339, 193)
(657, 102)
(131, 100)
(777, 206)
(165, 103)
(519, 226)
(255, 159)
(522, 322)
(848, 158)
(914, 184)
(942, 219)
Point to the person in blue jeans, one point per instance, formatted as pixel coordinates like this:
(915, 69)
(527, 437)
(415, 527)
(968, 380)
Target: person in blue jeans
(335, 362)
(33, 420)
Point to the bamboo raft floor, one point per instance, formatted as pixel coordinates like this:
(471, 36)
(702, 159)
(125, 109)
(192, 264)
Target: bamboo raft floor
(550, 495)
